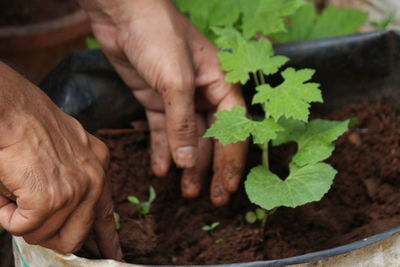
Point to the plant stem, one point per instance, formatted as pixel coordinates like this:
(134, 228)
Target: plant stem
(265, 156)
(262, 79)
(256, 78)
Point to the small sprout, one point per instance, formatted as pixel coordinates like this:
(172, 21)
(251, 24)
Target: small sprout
(251, 217)
(144, 207)
(257, 215)
(209, 228)
(117, 220)
(219, 241)
(385, 22)
(92, 43)
(261, 214)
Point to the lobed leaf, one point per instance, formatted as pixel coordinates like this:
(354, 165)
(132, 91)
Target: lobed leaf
(250, 57)
(315, 140)
(233, 126)
(266, 16)
(303, 185)
(305, 24)
(292, 98)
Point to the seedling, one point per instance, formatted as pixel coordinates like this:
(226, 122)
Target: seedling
(144, 207)
(286, 111)
(385, 22)
(256, 215)
(210, 227)
(92, 43)
(117, 220)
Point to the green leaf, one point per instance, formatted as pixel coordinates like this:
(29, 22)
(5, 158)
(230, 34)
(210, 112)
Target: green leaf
(315, 140)
(144, 208)
(233, 126)
(152, 194)
(92, 43)
(266, 16)
(336, 22)
(303, 185)
(227, 38)
(305, 24)
(385, 22)
(210, 13)
(251, 217)
(250, 56)
(261, 214)
(134, 200)
(300, 26)
(117, 220)
(292, 98)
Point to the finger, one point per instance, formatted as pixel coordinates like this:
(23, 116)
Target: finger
(19, 221)
(180, 119)
(72, 233)
(192, 179)
(100, 151)
(160, 152)
(104, 226)
(233, 165)
(219, 195)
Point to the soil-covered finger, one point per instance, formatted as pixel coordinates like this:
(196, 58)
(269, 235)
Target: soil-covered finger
(160, 152)
(192, 179)
(104, 226)
(233, 165)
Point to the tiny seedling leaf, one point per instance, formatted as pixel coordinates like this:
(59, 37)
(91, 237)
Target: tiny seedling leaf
(292, 98)
(250, 57)
(251, 217)
(134, 200)
(152, 194)
(92, 43)
(233, 126)
(117, 220)
(303, 185)
(261, 214)
(210, 227)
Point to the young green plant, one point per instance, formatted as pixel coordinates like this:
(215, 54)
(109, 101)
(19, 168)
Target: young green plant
(145, 206)
(210, 227)
(285, 119)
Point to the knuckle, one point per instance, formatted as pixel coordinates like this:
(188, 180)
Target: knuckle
(104, 153)
(98, 179)
(184, 128)
(176, 85)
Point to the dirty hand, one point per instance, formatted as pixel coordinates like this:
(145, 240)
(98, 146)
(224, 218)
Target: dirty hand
(55, 169)
(174, 72)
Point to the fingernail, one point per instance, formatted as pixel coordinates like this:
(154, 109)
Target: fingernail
(186, 156)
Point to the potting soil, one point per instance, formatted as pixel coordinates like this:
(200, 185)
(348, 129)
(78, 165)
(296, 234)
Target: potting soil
(364, 200)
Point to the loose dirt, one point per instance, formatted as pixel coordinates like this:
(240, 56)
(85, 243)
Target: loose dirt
(364, 200)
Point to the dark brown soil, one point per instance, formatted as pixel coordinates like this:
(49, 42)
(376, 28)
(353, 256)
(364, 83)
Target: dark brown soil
(21, 12)
(363, 201)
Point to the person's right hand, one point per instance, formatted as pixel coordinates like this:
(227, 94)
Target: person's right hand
(56, 171)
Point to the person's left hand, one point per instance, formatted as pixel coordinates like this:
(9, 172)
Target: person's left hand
(174, 72)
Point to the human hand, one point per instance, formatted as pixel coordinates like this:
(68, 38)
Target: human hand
(56, 171)
(174, 72)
